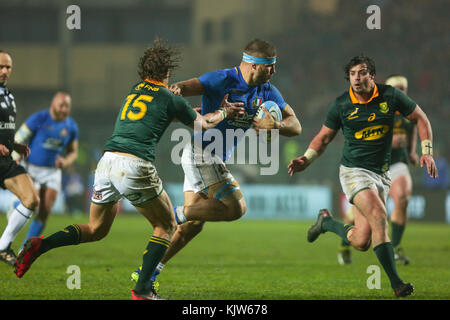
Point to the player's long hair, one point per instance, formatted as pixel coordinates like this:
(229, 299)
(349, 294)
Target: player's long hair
(261, 48)
(370, 64)
(158, 60)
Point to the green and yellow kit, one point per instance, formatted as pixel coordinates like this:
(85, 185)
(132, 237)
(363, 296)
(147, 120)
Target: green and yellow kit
(405, 127)
(145, 114)
(368, 126)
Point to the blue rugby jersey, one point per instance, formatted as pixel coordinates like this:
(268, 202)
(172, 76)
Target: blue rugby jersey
(218, 83)
(50, 137)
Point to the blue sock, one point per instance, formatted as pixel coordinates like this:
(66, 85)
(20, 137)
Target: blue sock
(154, 275)
(34, 230)
(16, 203)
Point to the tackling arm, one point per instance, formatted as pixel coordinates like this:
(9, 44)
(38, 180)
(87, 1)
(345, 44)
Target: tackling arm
(210, 120)
(187, 88)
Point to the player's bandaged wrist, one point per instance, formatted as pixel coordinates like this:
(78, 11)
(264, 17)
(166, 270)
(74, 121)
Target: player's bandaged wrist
(427, 147)
(223, 112)
(311, 155)
(23, 135)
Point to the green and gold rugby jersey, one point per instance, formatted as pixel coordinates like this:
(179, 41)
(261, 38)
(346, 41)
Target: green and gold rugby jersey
(405, 127)
(368, 126)
(145, 114)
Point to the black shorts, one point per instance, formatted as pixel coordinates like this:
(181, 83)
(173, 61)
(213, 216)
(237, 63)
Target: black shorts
(9, 169)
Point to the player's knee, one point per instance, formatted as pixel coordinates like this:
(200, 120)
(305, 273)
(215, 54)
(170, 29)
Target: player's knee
(236, 210)
(31, 201)
(401, 200)
(378, 216)
(363, 245)
(171, 228)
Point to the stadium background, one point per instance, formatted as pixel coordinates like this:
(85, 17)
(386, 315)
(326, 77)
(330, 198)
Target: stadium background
(98, 64)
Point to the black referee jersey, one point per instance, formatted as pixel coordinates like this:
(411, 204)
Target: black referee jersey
(7, 118)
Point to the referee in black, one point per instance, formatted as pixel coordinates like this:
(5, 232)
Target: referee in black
(12, 175)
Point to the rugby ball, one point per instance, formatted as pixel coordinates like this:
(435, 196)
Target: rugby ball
(274, 110)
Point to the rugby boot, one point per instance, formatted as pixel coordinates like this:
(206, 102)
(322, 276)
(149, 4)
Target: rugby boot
(27, 256)
(404, 290)
(400, 256)
(8, 256)
(152, 295)
(316, 229)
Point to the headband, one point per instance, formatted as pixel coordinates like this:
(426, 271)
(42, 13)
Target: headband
(251, 59)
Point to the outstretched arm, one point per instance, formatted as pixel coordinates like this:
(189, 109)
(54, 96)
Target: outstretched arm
(426, 137)
(187, 88)
(210, 120)
(317, 146)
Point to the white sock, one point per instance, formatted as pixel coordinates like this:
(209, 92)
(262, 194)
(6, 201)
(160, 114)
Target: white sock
(17, 220)
(180, 214)
(160, 266)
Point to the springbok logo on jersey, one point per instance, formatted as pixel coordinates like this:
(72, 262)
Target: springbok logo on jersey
(372, 133)
(353, 115)
(384, 107)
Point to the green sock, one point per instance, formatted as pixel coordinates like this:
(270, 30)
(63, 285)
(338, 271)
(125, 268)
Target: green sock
(397, 233)
(385, 254)
(152, 256)
(70, 235)
(338, 227)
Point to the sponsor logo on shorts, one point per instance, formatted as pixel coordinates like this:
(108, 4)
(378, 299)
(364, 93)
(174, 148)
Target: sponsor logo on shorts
(97, 195)
(372, 133)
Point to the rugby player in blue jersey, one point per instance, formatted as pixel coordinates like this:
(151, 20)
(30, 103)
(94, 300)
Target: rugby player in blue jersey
(52, 136)
(210, 191)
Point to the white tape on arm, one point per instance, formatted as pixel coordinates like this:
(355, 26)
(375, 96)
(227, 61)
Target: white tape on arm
(427, 147)
(23, 135)
(311, 155)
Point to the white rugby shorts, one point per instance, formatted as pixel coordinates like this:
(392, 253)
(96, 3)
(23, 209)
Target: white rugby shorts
(118, 176)
(49, 176)
(399, 169)
(354, 180)
(201, 169)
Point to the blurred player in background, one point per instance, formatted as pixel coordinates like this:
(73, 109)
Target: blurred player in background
(12, 175)
(49, 134)
(126, 168)
(366, 115)
(204, 183)
(403, 152)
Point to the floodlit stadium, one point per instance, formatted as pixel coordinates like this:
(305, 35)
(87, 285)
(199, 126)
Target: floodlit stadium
(88, 54)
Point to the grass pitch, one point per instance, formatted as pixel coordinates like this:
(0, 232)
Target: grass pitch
(241, 260)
